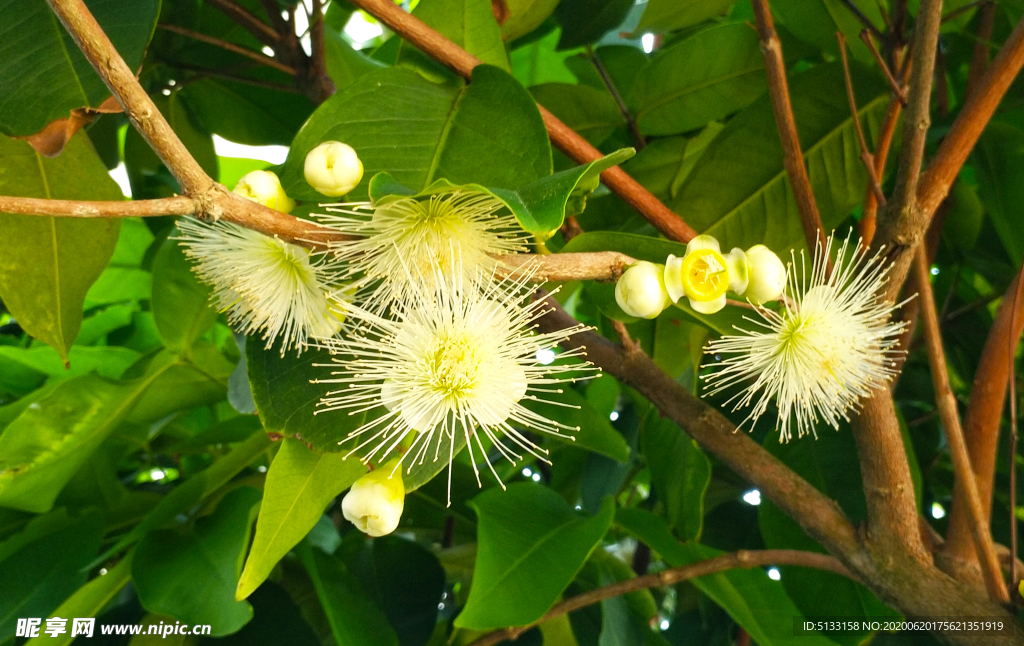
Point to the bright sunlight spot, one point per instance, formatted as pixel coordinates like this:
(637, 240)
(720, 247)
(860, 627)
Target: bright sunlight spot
(535, 477)
(774, 574)
(664, 624)
(527, 472)
(361, 30)
(546, 356)
(752, 497)
(120, 175)
(938, 511)
(270, 154)
(614, 416)
(647, 40)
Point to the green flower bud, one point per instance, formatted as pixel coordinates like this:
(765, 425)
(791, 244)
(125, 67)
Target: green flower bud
(375, 502)
(333, 168)
(767, 275)
(264, 187)
(641, 291)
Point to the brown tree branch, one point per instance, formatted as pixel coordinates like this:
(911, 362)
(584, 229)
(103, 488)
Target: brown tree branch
(261, 30)
(562, 136)
(864, 20)
(562, 267)
(946, 401)
(177, 205)
(259, 57)
(979, 58)
(894, 85)
(865, 155)
(318, 77)
(741, 559)
(793, 157)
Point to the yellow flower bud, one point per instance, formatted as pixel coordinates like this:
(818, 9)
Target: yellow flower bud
(702, 275)
(641, 291)
(767, 275)
(375, 502)
(333, 168)
(264, 187)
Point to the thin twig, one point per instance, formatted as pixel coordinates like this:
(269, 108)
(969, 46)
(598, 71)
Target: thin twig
(259, 57)
(562, 136)
(273, 11)
(894, 85)
(864, 20)
(261, 30)
(793, 157)
(202, 72)
(626, 341)
(634, 130)
(946, 402)
(865, 155)
(741, 559)
(955, 13)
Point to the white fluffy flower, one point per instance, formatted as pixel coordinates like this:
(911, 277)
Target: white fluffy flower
(457, 363)
(265, 284)
(417, 237)
(822, 352)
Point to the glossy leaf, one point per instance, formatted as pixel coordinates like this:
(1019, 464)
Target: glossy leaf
(998, 158)
(524, 16)
(488, 132)
(181, 302)
(45, 76)
(817, 21)
(409, 583)
(590, 112)
(738, 190)
(704, 77)
(586, 21)
(470, 24)
(680, 473)
(249, 114)
(191, 574)
(754, 601)
(49, 263)
(300, 484)
(596, 432)
(522, 567)
(662, 16)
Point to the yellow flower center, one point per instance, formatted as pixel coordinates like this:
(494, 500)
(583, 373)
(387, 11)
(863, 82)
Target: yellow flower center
(705, 276)
(454, 366)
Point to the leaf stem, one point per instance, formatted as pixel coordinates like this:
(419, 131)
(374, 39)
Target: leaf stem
(634, 131)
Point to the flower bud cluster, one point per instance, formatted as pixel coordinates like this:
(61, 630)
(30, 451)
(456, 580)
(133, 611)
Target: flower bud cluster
(702, 275)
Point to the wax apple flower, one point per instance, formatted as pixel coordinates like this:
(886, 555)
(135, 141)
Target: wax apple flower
(375, 502)
(831, 344)
(264, 187)
(640, 291)
(453, 367)
(767, 275)
(410, 237)
(333, 168)
(264, 284)
(703, 274)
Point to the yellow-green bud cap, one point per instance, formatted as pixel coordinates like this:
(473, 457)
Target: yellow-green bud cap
(264, 187)
(333, 168)
(641, 291)
(767, 275)
(375, 502)
(739, 276)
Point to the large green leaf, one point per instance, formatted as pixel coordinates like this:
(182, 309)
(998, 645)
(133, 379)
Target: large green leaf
(345, 64)
(470, 24)
(707, 76)
(663, 165)
(249, 114)
(353, 616)
(757, 603)
(817, 21)
(488, 132)
(537, 62)
(300, 484)
(586, 21)
(739, 191)
(44, 75)
(592, 113)
(409, 583)
(191, 574)
(44, 446)
(42, 564)
(596, 432)
(530, 546)
(999, 164)
(680, 473)
(830, 464)
(524, 16)
(181, 302)
(49, 263)
(662, 16)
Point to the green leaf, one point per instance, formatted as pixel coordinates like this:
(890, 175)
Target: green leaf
(680, 473)
(300, 483)
(662, 16)
(739, 192)
(596, 432)
(191, 575)
(43, 563)
(250, 114)
(998, 161)
(44, 446)
(817, 21)
(586, 21)
(107, 361)
(181, 302)
(704, 77)
(409, 583)
(89, 600)
(470, 24)
(537, 62)
(524, 16)
(592, 113)
(488, 132)
(529, 539)
(345, 64)
(664, 164)
(540, 206)
(757, 603)
(353, 617)
(622, 63)
(45, 76)
(49, 263)
(830, 464)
